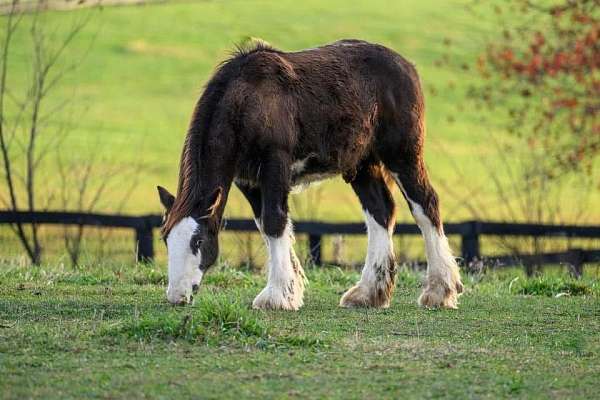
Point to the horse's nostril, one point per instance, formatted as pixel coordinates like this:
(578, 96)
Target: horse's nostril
(185, 300)
(195, 288)
(182, 301)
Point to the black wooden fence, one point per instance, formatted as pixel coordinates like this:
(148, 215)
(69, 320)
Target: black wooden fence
(470, 233)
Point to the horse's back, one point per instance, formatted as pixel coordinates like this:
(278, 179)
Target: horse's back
(345, 62)
(333, 104)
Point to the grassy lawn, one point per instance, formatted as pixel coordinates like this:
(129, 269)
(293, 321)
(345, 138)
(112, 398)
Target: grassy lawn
(108, 332)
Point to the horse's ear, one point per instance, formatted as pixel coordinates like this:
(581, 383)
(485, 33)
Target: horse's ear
(215, 200)
(166, 198)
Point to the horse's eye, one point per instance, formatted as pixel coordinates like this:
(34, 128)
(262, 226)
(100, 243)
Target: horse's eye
(198, 243)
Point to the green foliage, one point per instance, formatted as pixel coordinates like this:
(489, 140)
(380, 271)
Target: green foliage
(82, 279)
(543, 60)
(553, 286)
(406, 278)
(331, 276)
(225, 277)
(575, 344)
(150, 276)
(214, 319)
(515, 384)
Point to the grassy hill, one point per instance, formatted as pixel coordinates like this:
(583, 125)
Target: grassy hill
(144, 67)
(136, 87)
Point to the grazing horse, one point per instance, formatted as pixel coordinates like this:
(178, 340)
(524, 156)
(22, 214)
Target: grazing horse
(270, 121)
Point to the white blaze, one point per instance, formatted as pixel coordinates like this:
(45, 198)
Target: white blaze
(184, 265)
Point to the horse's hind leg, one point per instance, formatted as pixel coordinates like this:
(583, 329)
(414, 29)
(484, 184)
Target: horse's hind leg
(285, 285)
(443, 283)
(376, 283)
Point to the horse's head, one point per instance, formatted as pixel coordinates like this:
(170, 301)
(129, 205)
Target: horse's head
(191, 235)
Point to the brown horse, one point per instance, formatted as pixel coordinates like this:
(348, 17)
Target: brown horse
(270, 121)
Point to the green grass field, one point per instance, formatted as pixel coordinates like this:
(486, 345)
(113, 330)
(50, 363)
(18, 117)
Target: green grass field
(109, 333)
(134, 92)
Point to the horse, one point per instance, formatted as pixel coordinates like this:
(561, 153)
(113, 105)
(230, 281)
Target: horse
(270, 121)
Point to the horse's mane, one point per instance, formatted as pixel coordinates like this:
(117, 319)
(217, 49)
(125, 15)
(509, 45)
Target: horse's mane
(248, 47)
(188, 188)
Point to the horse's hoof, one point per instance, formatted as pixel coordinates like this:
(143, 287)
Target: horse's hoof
(439, 296)
(275, 299)
(360, 297)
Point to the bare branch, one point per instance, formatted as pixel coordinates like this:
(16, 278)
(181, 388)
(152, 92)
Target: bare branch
(30, 115)
(11, 26)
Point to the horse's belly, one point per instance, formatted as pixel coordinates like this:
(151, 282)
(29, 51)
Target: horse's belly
(304, 174)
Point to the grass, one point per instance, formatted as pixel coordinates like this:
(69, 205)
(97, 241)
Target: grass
(135, 89)
(552, 286)
(107, 332)
(216, 318)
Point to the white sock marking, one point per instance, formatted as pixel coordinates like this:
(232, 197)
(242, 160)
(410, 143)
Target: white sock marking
(440, 261)
(439, 255)
(285, 286)
(379, 249)
(280, 264)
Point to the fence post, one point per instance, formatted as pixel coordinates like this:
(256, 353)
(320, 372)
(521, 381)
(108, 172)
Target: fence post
(470, 243)
(314, 248)
(145, 243)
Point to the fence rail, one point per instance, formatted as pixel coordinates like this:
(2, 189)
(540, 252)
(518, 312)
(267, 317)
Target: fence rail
(470, 233)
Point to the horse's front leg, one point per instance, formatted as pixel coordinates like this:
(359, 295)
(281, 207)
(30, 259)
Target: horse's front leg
(285, 285)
